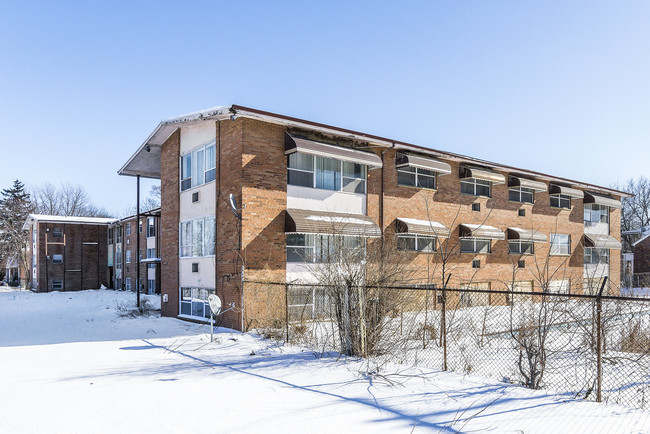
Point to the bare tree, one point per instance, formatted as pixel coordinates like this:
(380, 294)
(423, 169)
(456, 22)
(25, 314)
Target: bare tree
(635, 210)
(66, 200)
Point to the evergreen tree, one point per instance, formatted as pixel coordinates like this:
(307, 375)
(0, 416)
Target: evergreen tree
(15, 206)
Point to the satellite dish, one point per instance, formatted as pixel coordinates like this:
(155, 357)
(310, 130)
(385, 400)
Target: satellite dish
(215, 303)
(233, 205)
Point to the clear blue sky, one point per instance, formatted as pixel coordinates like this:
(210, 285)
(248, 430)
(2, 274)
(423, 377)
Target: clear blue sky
(558, 87)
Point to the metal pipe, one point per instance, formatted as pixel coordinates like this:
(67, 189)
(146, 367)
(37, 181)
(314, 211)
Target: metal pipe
(137, 242)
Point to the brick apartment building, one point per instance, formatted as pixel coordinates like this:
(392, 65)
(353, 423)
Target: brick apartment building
(294, 180)
(641, 258)
(67, 253)
(123, 253)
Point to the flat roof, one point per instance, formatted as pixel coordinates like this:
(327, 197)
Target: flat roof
(145, 162)
(35, 218)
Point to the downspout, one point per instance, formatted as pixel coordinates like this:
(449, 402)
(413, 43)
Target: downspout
(216, 213)
(381, 197)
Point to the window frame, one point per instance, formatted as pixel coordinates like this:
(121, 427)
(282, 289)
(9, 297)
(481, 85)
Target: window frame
(556, 249)
(193, 176)
(127, 256)
(521, 191)
(417, 238)
(520, 245)
(151, 227)
(57, 232)
(57, 284)
(207, 247)
(197, 296)
(475, 183)
(594, 256)
(128, 229)
(57, 258)
(417, 173)
(474, 241)
(320, 247)
(601, 211)
(339, 182)
(560, 198)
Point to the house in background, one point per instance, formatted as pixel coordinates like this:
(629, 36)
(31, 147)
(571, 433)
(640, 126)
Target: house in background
(123, 253)
(295, 181)
(67, 253)
(636, 259)
(13, 272)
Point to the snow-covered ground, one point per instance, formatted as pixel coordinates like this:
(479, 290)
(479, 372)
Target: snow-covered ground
(70, 364)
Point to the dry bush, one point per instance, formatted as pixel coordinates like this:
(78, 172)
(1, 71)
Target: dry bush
(635, 339)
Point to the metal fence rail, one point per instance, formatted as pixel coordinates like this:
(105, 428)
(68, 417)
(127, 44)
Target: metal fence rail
(593, 347)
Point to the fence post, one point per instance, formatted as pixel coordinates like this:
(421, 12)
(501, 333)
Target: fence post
(286, 311)
(443, 326)
(599, 356)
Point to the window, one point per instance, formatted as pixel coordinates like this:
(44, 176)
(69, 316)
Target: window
(151, 253)
(57, 259)
(198, 167)
(197, 237)
(416, 242)
(110, 235)
(521, 264)
(596, 214)
(325, 173)
(194, 302)
(561, 201)
(521, 194)
(151, 286)
(57, 232)
(57, 284)
(151, 227)
(475, 187)
(128, 256)
(596, 256)
(560, 244)
(140, 227)
(118, 234)
(323, 248)
(559, 286)
(416, 177)
(475, 245)
(476, 263)
(140, 255)
(522, 213)
(195, 267)
(128, 229)
(127, 284)
(518, 247)
(476, 207)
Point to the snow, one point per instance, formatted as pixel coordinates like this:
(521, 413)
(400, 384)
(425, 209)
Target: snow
(71, 363)
(69, 219)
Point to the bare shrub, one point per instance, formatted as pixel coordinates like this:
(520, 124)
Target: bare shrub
(636, 339)
(129, 310)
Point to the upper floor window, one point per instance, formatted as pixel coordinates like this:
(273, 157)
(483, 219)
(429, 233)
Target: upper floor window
(151, 253)
(416, 177)
(110, 235)
(596, 256)
(197, 237)
(325, 173)
(560, 244)
(128, 228)
(476, 187)
(561, 201)
(323, 248)
(518, 247)
(151, 227)
(198, 166)
(416, 242)
(118, 234)
(596, 214)
(521, 194)
(128, 256)
(475, 245)
(57, 232)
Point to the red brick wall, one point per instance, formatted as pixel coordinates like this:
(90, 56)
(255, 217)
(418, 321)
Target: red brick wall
(169, 198)
(642, 257)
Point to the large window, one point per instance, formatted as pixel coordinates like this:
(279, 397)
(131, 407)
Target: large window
(416, 242)
(521, 194)
(596, 214)
(323, 248)
(518, 247)
(475, 245)
(475, 187)
(199, 166)
(561, 201)
(194, 302)
(416, 177)
(197, 237)
(128, 256)
(325, 173)
(560, 244)
(596, 256)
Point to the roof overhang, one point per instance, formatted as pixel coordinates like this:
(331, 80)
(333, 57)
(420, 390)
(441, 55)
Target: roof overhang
(301, 221)
(601, 199)
(573, 193)
(483, 174)
(602, 241)
(422, 227)
(527, 235)
(468, 230)
(68, 220)
(440, 167)
(294, 143)
(536, 186)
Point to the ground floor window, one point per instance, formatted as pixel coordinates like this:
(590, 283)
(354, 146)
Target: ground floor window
(322, 248)
(128, 284)
(194, 302)
(151, 286)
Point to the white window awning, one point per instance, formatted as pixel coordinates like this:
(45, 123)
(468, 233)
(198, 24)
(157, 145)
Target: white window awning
(574, 193)
(437, 166)
(536, 186)
(481, 231)
(423, 227)
(601, 199)
(484, 174)
(302, 221)
(527, 235)
(602, 241)
(294, 143)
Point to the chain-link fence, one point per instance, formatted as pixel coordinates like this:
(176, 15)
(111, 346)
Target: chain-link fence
(581, 346)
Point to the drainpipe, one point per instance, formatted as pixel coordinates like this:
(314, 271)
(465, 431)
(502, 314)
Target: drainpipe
(137, 243)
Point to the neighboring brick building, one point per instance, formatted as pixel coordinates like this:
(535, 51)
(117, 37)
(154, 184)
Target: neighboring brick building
(123, 254)
(642, 261)
(67, 253)
(293, 178)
